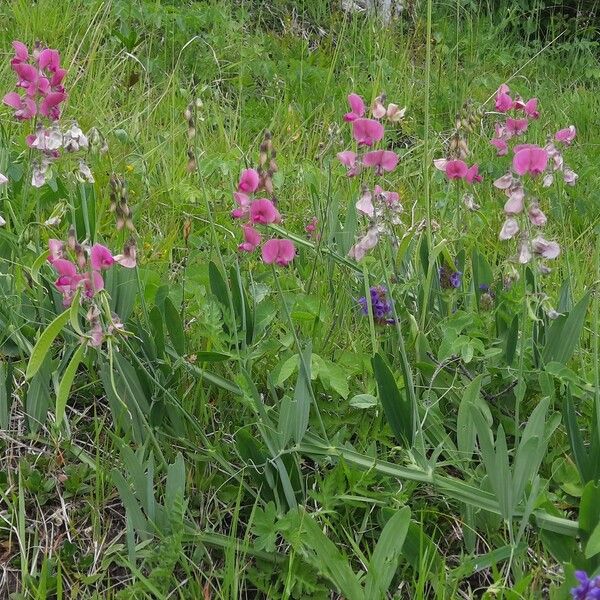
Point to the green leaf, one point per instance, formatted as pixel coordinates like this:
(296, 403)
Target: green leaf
(564, 333)
(174, 326)
(465, 427)
(64, 387)
(398, 409)
(302, 395)
(218, 285)
(512, 335)
(363, 401)
(38, 263)
(131, 505)
(175, 488)
(42, 346)
(385, 559)
(156, 321)
(5, 393)
(593, 545)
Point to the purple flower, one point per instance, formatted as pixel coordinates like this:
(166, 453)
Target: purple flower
(382, 307)
(449, 279)
(588, 589)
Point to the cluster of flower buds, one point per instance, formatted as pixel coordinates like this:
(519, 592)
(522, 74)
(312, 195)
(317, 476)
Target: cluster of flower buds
(383, 210)
(588, 588)
(382, 305)
(311, 228)
(40, 76)
(118, 202)
(529, 161)
(79, 266)
(366, 133)
(450, 278)
(253, 211)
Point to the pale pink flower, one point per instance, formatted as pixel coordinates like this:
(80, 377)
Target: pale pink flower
(243, 202)
(395, 114)
(55, 250)
(524, 251)
(469, 202)
(129, 257)
(101, 257)
(349, 160)
(516, 126)
(566, 136)
(368, 242)
(456, 169)
(279, 252)
(510, 228)
(251, 239)
(473, 175)
(249, 180)
(391, 198)
(546, 249)
(514, 204)
(530, 160)
(357, 108)
(548, 180)
(570, 177)
(264, 212)
(536, 216)
(501, 146)
(96, 335)
(367, 131)
(440, 164)
(378, 109)
(92, 283)
(365, 203)
(381, 160)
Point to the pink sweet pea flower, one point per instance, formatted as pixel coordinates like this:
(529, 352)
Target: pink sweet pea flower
(544, 248)
(243, 201)
(101, 257)
(264, 212)
(348, 159)
(129, 257)
(514, 204)
(357, 108)
(251, 239)
(365, 203)
(504, 182)
(378, 109)
(369, 241)
(92, 283)
(381, 160)
(49, 59)
(367, 131)
(279, 252)
(503, 100)
(566, 136)
(500, 145)
(516, 126)
(524, 252)
(520, 147)
(394, 113)
(530, 108)
(536, 216)
(530, 160)
(510, 228)
(49, 106)
(473, 175)
(21, 53)
(55, 250)
(249, 180)
(570, 177)
(391, 198)
(25, 108)
(456, 169)
(440, 164)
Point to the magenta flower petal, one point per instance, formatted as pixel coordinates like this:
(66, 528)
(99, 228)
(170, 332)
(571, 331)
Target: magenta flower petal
(367, 131)
(49, 59)
(55, 250)
(357, 108)
(503, 102)
(64, 267)
(544, 248)
(279, 252)
(249, 180)
(21, 51)
(500, 145)
(567, 135)
(516, 126)
(264, 212)
(530, 108)
(456, 169)
(49, 106)
(530, 160)
(381, 160)
(473, 175)
(101, 257)
(365, 204)
(251, 239)
(13, 100)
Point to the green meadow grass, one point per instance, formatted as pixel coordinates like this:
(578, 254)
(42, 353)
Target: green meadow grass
(68, 527)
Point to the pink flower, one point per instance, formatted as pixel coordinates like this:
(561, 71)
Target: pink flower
(264, 212)
(357, 108)
(129, 257)
(378, 109)
(381, 160)
(504, 182)
(49, 59)
(456, 169)
(544, 248)
(524, 251)
(536, 216)
(510, 228)
(440, 164)
(365, 203)
(243, 202)
(503, 102)
(500, 145)
(473, 175)
(570, 177)
(21, 53)
(55, 250)
(514, 204)
(279, 252)
(101, 258)
(25, 108)
(251, 239)
(348, 159)
(516, 126)
(369, 241)
(49, 106)
(520, 147)
(530, 108)
(391, 198)
(92, 283)
(566, 136)
(311, 226)
(530, 160)
(367, 131)
(249, 180)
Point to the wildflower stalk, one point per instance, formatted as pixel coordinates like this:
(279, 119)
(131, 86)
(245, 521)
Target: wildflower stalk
(288, 318)
(374, 345)
(596, 335)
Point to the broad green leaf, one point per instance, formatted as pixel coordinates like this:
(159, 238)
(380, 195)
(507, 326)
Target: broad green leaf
(363, 401)
(512, 336)
(131, 505)
(218, 285)
(38, 263)
(64, 387)
(564, 333)
(398, 409)
(174, 326)
(465, 427)
(593, 544)
(175, 487)
(589, 515)
(302, 396)
(42, 346)
(385, 558)
(156, 321)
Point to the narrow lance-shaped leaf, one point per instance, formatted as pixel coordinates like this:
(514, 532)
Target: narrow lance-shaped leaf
(42, 346)
(64, 387)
